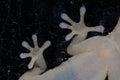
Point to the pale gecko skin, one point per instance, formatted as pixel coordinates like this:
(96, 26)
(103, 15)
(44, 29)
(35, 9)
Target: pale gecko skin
(92, 59)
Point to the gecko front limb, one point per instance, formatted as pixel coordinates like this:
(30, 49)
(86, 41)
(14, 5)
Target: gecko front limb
(36, 53)
(79, 28)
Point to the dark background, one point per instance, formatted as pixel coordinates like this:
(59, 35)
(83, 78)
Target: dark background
(19, 19)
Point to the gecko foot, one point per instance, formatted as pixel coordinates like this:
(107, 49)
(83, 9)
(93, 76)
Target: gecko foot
(79, 28)
(36, 53)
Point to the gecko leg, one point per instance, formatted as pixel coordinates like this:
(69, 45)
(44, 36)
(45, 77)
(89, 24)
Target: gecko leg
(36, 53)
(79, 28)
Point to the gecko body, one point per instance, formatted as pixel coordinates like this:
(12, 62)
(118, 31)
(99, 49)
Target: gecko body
(92, 59)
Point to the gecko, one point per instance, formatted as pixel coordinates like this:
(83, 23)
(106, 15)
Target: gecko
(92, 59)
